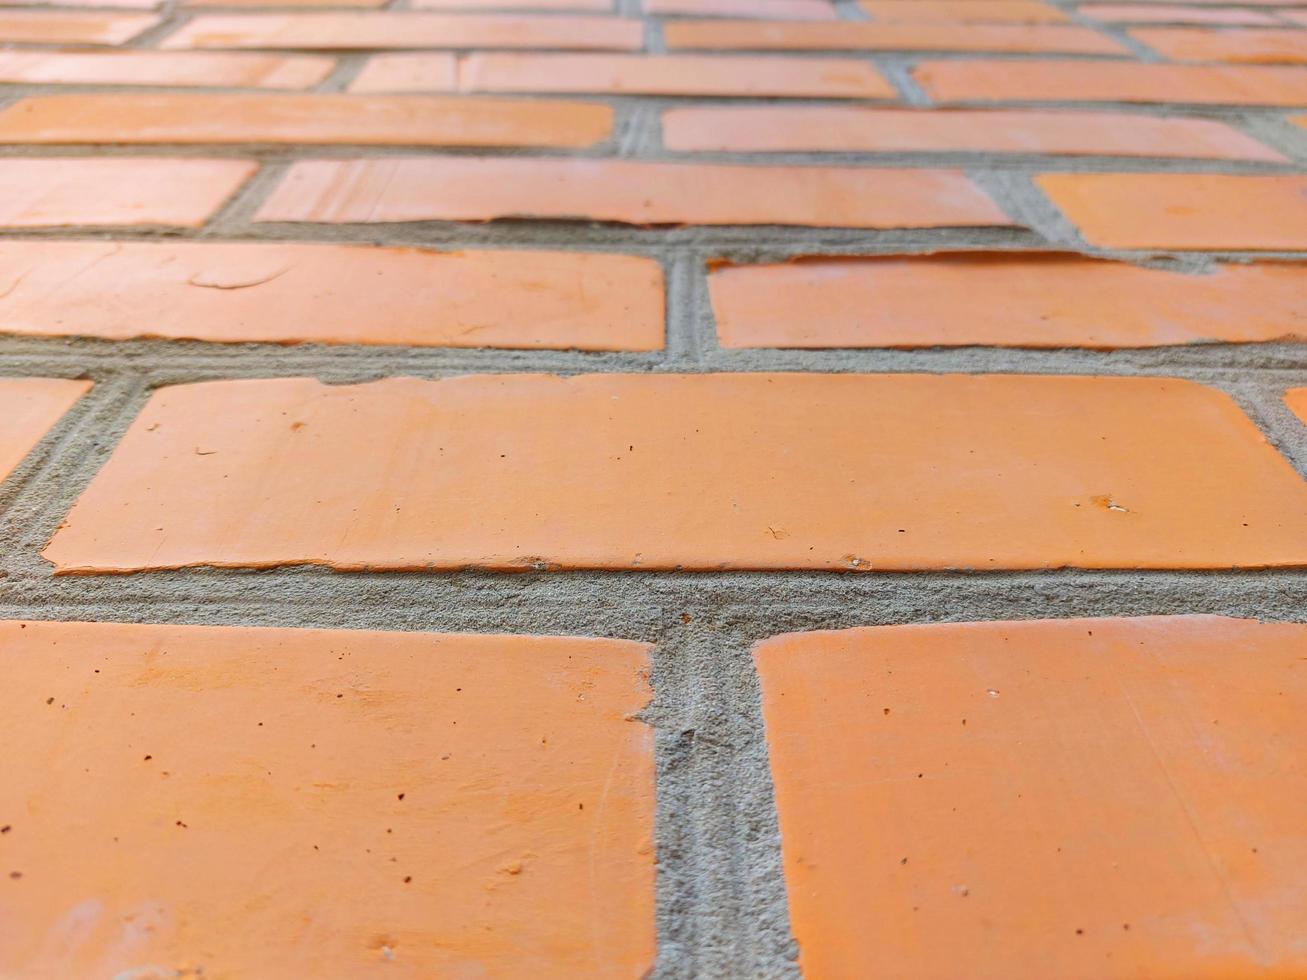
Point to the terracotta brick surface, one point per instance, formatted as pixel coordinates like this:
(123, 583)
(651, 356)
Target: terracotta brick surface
(1101, 81)
(855, 36)
(1183, 211)
(315, 803)
(750, 471)
(386, 29)
(594, 6)
(123, 4)
(1244, 45)
(630, 192)
(1296, 399)
(59, 191)
(336, 294)
(1141, 13)
(1003, 299)
(964, 11)
(236, 69)
(29, 408)
(626, 74)
(71, 26)
(301, 119)
(778, 129)
(1091, 798)
(759, 9)
(284, 3)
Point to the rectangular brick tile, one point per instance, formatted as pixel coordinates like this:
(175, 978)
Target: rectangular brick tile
(626, 74)
(1242, 45)
(1142, 13)
(1016, 299)
(56, 191)
(759, 9)
(314, 803)
(626, 191)
(705, 471)
(1102, 81)
(311, 119)
(71, 26)
(1296, 399)
(1183, 211)
(279, 292)
(1078, 798)
(29, 408)
(777, 129)
(219, 69)
(125, 4)
(283, 3)
(400, 29)
(1296, 16)
(856, 36)
(596, 6)
(964, 11)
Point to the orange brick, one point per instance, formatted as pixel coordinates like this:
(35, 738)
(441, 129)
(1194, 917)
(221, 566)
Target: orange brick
(1008, 299)
(29, 408)
(1142, 13)
(964, 11)
(399, 29)
(1296, 399)
(151, 118)
(598, 6)
(71, 26)
(233, 292)
(707, 471)
(284, 3)
(54, 191)
(761, 9)
(855, 36)
(131, 4)
(776, 129)
(620, 74)
(1087, 799)
(1183, 211)
(238, 70)
(1246, 45)
(1101, 81)
(626, 191)
(318, 803)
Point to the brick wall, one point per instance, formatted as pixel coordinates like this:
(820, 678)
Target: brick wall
(731, 488)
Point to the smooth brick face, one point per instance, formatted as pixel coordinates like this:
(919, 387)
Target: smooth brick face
(1088, 799)
(29, 408)
(283, 3)
(1296, 399)
(854, 36)
(386, 29)
(619, 74)
(779, 129)
(238, 70)
(964, 11)
(301, 119)
(319, 803)
(1003, 299)
(630, 192)
(336, 294)
(760, 9)
(734, 471)
(1127, 13)
(1245, 45)
(1101, 81)
(56, 191)
(597, 6)
(1183, 211)
(71, 26)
